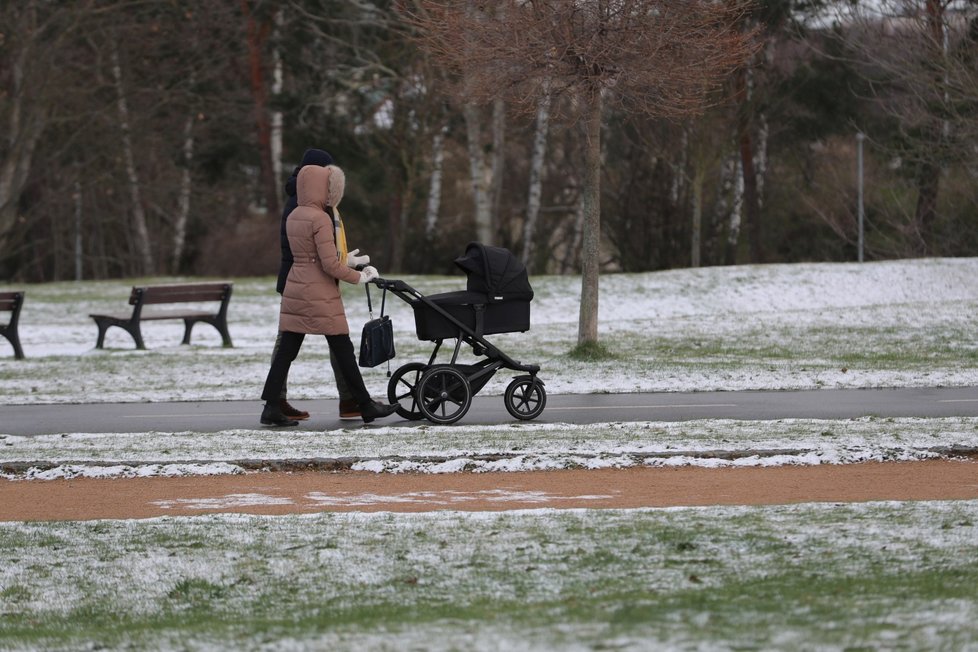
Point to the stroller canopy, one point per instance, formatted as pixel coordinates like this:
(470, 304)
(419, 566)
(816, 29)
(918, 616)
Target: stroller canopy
(495, 272)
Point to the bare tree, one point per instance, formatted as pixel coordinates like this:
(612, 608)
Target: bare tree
(434, 185)
(132, 174)
(182, 215)
(540, 134)
(706, 140)
(377, 83)
(480, 173)
(35, 43)
(748, 173)
(498, 161)
(919, 57)
(657, 57)
(258, 32)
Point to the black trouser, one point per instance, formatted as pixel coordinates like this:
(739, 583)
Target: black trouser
(340, 347)
(341, 387)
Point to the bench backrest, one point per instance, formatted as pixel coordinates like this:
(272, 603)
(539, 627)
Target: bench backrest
(180, 293)
(11, 301)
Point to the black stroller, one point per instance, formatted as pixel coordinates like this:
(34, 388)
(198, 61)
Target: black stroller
(496, 300)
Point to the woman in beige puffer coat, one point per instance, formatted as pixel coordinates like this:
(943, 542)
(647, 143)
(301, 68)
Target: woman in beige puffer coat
(311, 302)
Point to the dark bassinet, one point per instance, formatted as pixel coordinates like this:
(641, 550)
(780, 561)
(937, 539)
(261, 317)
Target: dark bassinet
(496, 299)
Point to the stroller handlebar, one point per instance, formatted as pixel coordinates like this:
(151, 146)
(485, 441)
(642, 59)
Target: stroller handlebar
(398, 287)
(390, 284)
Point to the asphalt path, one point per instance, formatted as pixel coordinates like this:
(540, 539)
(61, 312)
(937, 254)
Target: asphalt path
(213, 416)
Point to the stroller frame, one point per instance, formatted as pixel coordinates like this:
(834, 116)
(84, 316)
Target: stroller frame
(442, 393)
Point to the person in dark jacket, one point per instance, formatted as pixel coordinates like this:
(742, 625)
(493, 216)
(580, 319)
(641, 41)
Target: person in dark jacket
(349, 409)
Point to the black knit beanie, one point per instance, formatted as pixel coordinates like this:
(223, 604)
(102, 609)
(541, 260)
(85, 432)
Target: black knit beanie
(318, 157)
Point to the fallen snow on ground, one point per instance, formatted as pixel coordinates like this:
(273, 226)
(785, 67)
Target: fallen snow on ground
(134, 470)
(476, 448)
(349, 499)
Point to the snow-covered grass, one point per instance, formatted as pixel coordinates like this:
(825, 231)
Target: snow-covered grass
(514, 447)
(814, 576)
(898, 323)
(810, 576)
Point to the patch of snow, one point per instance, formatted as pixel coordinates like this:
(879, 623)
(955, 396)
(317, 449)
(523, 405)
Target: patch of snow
(223, 502)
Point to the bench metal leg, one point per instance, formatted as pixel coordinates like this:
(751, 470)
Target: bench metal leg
(129, 327)
(222, 328)
(188, 324)
(103, 326)
(137, 335)
(14, 340)
(217, 323)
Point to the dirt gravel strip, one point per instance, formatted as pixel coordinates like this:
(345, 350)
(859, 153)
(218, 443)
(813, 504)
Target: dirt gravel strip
(316, 491)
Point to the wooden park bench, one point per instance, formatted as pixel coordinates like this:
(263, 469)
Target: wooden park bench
(12, 302)
(170, 294)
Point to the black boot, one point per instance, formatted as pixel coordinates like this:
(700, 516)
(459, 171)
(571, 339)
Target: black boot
(374, 410)
(341, 349)
(272, 415)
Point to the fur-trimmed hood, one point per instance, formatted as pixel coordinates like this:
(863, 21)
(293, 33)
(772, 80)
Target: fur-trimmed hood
(320, 187)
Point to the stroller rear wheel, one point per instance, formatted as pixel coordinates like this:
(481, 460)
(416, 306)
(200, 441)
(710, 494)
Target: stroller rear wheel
(443, 394)
(401, 388)
(525, 398)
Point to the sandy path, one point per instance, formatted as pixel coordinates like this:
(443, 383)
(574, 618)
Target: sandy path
(282, 493)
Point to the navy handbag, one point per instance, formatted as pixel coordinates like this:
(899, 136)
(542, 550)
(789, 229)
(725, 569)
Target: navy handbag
(377, 338)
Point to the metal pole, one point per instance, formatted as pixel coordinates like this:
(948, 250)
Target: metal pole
(860, 137)
(77, 196)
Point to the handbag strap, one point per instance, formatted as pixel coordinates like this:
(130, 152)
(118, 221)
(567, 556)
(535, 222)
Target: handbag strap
(383, 301)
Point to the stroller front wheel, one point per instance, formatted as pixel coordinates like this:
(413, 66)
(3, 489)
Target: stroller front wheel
(525, 398)
(400, 389)
(443, 394)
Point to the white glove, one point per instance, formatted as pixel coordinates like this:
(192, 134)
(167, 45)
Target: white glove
(353, 260)
(368, 274)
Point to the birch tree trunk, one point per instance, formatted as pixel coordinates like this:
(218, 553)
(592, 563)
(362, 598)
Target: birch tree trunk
(696, 238)
(733, 224)
(497, 166)
(76, 198)
(434, 185)
(720, 217)
(752, 209)
(679, 169)
(183, 196)
(534, 193)
(406, 203)
(569, 264)
(22, 139)
(275, 144)
(140, 229)
(761, 157)
(398, 214)
(587, 332)
(478, 173)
